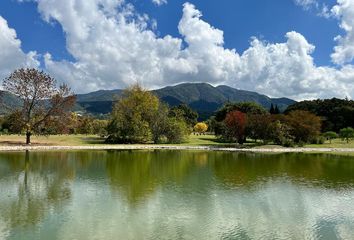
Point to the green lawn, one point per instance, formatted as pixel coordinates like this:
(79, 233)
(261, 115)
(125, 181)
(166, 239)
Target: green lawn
(193, 140)
(63, 140)
(336, 143)
(79, 140)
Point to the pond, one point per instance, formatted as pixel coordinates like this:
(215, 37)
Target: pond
(175, 195)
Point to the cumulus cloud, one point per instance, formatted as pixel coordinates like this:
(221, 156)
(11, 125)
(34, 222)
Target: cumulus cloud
(114, 46)
(11, 55)
(344, 51)
(159, 2)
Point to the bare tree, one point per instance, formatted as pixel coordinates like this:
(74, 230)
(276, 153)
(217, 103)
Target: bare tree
(41, 99)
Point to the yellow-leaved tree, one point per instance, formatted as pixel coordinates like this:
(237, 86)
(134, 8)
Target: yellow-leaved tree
(201, 128)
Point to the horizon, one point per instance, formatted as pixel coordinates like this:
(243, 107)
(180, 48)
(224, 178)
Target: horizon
(105, 45)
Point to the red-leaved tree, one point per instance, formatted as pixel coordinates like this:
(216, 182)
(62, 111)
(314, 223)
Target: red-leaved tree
(235, 123)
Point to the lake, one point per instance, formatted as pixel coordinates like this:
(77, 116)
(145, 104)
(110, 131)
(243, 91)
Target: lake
(175, 195)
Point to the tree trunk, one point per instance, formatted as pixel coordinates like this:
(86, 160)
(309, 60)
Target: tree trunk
(28, 137)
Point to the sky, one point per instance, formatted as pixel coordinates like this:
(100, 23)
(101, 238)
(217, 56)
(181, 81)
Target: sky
(301, 49)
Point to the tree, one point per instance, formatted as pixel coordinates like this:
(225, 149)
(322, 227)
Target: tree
(160, 125)
(336, 113)
(330, 135)
(189, 115)
(201, 128)
(41, 99)
(271, 110)
(139, 117)
(176, 130)
(132, 116)
(281, 134)
(259, 126)
(276, 110)
(235, 123)
(305, 126)
(346, 133)
(245, 107)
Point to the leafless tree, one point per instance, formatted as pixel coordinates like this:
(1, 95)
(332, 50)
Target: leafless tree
(41, 99)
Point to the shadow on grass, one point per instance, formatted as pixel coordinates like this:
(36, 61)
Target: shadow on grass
(93, 140)
(22, 143)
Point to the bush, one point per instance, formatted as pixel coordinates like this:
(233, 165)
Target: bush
(288, 143)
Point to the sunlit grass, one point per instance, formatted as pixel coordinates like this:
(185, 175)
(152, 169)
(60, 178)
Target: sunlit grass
(192, 140)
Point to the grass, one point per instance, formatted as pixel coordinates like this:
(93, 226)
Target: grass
(336, 143)
(62, 140)
(193, 140)
(81, 140)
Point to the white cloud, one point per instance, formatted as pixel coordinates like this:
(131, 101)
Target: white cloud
(344, 51)
(114, 46)
(11, 55)
(159, 2)
(306, 4)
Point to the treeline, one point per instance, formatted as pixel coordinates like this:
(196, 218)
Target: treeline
(335, 113)
(70, 123)
(237, 122)
(138, 116)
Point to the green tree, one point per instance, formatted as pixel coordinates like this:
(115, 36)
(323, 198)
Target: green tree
(183, 110)
(276, 110)
(336, 113)
(132, 116)
(139, 117)
(330, 135)
(346, 133)
(177, 130)
(271, 110)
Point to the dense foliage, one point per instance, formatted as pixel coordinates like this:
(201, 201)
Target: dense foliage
(237, 121)
(335, 113)
(139, 117)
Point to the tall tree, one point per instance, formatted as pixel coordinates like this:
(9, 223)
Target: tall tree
(271, 110)
(235, 123)
(276, 109)
(41, 99)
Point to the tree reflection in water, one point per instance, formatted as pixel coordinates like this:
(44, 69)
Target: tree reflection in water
(39, 185)
(133, 193)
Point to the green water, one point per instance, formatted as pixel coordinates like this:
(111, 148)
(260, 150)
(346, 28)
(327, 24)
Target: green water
(175, 195)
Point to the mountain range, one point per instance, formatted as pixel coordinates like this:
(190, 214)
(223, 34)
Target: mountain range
(202, 97)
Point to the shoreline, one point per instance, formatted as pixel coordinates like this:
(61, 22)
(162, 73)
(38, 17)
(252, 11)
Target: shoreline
(175, 147)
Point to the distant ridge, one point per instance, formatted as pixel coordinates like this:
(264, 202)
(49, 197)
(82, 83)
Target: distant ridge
(202, 97)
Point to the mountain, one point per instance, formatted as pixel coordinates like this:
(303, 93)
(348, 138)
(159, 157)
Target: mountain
(202, 97)
(8, 101)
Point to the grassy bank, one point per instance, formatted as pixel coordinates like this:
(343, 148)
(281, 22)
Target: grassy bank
(193, 140)
(82, 140)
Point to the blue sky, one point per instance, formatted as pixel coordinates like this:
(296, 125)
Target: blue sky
(52, 33)
(240, 20)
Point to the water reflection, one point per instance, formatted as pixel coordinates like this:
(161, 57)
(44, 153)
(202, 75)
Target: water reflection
(175, 194)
